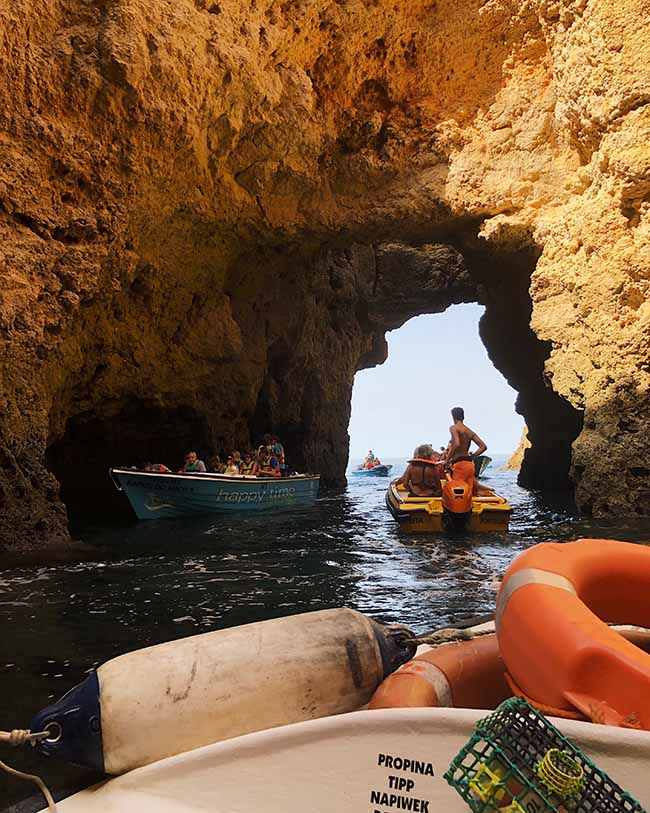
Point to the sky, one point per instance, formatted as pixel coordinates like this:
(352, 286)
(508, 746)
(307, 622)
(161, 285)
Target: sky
(435, 362)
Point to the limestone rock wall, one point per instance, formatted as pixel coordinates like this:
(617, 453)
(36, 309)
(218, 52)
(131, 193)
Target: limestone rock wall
(190, 194)
(517, 457)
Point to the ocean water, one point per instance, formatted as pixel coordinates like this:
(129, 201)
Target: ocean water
(158, 581)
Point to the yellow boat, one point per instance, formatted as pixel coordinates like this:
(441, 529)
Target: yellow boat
(426, 514)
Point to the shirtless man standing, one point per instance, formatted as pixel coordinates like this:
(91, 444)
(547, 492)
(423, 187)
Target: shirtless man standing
(458, 455)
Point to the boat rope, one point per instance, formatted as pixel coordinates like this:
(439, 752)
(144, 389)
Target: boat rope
(449, 636)
(21, 736)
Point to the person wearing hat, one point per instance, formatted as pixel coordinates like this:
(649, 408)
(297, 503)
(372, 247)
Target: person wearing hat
(423, 473)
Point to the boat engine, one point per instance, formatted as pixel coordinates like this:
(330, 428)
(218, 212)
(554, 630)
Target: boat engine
(456, 505)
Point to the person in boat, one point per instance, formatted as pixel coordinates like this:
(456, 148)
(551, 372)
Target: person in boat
(192, 464)
(423, 473)
(255, 469)
(369, 461)
(269, 465)
(247, 463)
(157, 467)
(278, 450)
(267, 443)
(459, 459)
(232, 468)
(215, 464)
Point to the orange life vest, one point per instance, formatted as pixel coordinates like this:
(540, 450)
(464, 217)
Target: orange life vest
(424, 476)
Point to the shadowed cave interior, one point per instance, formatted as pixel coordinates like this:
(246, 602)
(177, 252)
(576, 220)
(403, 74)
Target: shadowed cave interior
(134, 432)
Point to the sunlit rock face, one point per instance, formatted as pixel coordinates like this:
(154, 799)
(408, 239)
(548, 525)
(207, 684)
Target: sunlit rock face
(516, 458)
(211, 212)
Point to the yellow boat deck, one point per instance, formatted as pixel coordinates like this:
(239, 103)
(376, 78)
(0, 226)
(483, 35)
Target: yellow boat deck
(425, 514)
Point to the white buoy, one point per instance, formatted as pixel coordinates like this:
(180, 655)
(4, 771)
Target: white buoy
(174, 697)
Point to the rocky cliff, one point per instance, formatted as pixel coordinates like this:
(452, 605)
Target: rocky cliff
(211, 212)
(517, 457)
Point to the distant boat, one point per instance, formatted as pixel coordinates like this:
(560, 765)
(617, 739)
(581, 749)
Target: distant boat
(481, 463)
(156, 496)
(376, 471)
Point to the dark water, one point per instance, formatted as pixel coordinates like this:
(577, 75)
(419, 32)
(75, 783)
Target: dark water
(169, 579)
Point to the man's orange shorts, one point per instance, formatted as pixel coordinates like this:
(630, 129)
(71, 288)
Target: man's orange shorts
(464, 470)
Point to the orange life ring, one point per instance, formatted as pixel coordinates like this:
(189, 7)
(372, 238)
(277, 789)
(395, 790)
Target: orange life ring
(469, 674)
(558, 652)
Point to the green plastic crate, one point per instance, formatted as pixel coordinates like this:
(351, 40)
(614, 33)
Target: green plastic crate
(517, 762)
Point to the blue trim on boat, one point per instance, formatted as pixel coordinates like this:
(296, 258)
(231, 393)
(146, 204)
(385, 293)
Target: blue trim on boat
(375, 471)
(76, 724)
(156, 496)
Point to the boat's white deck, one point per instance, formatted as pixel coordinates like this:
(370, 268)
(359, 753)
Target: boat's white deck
(333, 765)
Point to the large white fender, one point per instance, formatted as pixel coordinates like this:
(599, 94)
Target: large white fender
(166, 699)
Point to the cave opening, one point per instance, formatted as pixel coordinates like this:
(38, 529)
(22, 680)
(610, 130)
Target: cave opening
(497, 278)
(435, 362)
(129, 434)
(302, 378)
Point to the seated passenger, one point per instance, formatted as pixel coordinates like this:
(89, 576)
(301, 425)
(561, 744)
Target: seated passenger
(192, 463)
(247, 464)
(215, 464)
(232, 469)
(255, 469)
(269, 466)
(423, 473)
(159, 467)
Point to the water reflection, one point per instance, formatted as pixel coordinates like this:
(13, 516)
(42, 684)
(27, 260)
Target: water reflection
(178, 577)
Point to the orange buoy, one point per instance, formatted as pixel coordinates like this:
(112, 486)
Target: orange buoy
(469, 674)
(559, 652)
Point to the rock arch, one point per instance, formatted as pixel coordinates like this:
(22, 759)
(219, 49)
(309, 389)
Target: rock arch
(312, 343)
(203, 212)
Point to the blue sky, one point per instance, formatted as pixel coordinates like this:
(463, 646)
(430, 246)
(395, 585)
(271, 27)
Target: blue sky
(434, 363)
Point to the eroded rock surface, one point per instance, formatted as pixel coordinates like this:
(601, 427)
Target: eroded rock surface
(517, 457)
(211, 212)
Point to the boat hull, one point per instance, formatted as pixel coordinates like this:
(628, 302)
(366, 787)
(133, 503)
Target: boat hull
(375, 471)
(159, 496)
(345, 763)
(427, 515)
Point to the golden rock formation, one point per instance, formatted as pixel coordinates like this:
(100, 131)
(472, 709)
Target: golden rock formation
(210, 212)
(517, 457)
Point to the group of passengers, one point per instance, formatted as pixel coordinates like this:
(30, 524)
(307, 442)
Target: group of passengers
(371, 461)
(267, 460)
(427, 468)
